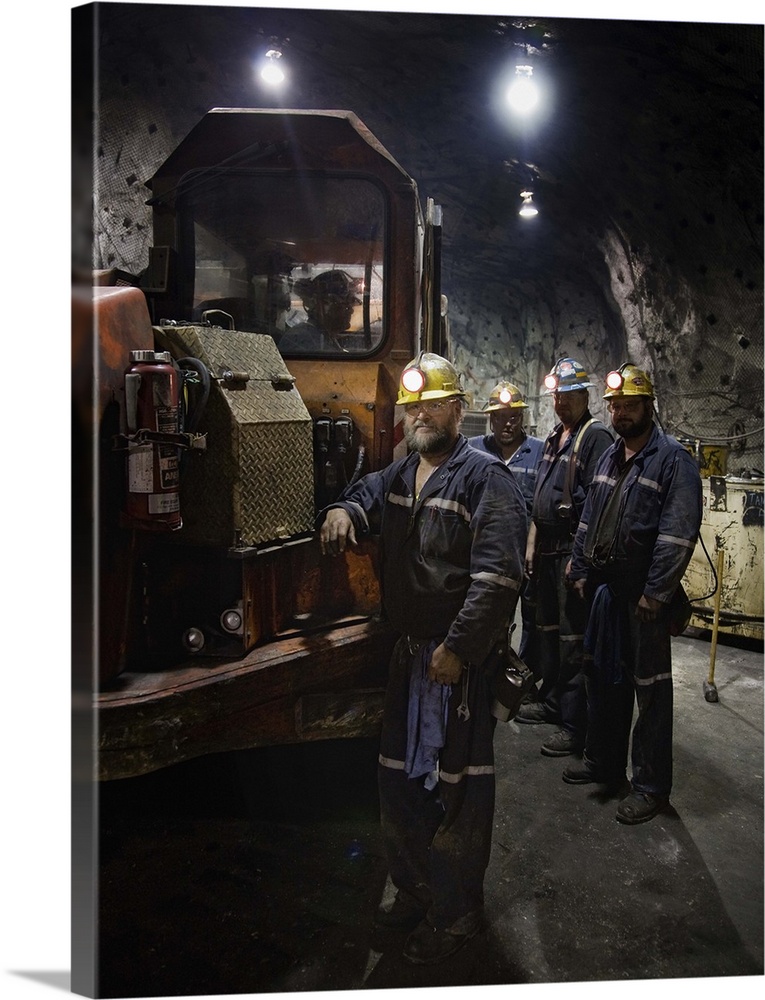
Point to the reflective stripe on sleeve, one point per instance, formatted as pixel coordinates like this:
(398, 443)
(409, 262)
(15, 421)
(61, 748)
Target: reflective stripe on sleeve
(503, 581)
(674, 540)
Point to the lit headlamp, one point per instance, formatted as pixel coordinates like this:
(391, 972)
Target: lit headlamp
(426, 377)
(413, 380)
(628, 381)
(505, 396)
(615, 380)
(566, 375)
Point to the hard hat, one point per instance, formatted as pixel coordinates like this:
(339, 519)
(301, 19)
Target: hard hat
(505, 396)
(428, 376)
(629, 380)
(566, 375)
(329, 286)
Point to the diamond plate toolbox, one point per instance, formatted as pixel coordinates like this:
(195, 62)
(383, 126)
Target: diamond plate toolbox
(254, 482)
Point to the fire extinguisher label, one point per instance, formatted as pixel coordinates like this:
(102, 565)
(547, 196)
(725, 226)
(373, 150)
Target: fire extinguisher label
(169, 475)
(164, 503)
(141, 470)
(169, 472)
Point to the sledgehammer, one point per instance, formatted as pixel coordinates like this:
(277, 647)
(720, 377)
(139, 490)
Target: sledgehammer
(710, 691)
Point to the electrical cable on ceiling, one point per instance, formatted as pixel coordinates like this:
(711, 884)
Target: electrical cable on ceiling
(715, 440)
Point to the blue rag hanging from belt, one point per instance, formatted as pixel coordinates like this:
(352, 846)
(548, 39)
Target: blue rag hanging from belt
(426, 722)
(602, 638)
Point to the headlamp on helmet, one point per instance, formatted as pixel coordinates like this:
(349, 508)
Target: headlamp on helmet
(614, 380)
(428, 376)
(504, 395)
(566, 375)
(629, 380)
(413, 380)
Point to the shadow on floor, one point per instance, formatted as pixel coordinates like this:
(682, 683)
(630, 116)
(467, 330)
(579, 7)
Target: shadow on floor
(259, 871)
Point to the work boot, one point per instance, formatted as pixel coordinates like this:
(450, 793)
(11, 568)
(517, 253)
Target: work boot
(583, 774)
(639, 807)
(534, 713)
(562, 744)
(427, 944)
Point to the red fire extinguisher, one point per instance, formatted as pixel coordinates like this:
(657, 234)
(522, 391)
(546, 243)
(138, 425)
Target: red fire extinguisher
(152, 409)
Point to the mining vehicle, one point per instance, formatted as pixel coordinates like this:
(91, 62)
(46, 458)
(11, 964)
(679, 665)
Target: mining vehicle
(226, 410)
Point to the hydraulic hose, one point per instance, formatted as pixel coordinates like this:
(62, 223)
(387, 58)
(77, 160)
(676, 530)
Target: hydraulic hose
(191, 416)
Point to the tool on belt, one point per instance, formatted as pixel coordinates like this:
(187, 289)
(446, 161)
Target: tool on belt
(512, 682)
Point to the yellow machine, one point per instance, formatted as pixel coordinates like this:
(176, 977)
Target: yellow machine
(732, 533)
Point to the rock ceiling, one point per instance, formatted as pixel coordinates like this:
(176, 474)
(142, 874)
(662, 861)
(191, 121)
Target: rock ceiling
(646, 164)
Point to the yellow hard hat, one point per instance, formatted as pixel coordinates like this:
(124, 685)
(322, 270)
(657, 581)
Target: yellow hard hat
(428, 376)
(505, 396)
(629, 380)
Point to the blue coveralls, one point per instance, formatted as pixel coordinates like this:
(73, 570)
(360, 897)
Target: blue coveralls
(659, 520)
(451, 567)
(561, 614)
(523, 463)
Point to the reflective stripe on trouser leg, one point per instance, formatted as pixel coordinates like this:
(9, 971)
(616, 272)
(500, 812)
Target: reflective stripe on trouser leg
(438, 843)
(548, 619)
(609, 720)
(650, 665)
(572, 696)
(560, 652)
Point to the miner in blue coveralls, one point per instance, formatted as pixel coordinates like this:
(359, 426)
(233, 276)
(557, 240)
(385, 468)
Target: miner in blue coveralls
(571, 451)
(636, 537)
(522, 454)
(452, 529)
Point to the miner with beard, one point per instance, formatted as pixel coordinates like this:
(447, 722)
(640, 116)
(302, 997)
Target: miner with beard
(452, 528)
(634, 541)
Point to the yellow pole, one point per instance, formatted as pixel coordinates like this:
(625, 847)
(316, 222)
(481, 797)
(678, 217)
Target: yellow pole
(710, 691)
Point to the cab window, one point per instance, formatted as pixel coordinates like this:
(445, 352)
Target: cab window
(300, 258)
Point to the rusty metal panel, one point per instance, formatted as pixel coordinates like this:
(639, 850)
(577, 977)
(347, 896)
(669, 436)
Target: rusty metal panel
(732, 521)
(107, 323)
(254, 482)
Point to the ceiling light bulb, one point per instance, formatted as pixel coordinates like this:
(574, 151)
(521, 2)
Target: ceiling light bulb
(523, 94)
(271, 72)
(528, 209)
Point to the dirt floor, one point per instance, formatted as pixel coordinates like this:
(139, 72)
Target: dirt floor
(259, 871)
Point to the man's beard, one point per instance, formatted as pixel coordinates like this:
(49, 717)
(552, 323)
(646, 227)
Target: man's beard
(509, 435)
(635, 428)
(438, 440)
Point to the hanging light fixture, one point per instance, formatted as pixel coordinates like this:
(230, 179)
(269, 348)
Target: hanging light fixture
(271, 71)
(522, 94)
(528, 209)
